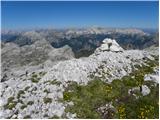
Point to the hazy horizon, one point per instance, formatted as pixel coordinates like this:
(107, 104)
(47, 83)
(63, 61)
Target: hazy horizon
(17, 15)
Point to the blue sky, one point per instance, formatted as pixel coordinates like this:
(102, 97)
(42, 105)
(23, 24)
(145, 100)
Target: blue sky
(52, 14)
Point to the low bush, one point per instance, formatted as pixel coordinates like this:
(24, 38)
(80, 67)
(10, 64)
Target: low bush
(47, 100)
(88, 98)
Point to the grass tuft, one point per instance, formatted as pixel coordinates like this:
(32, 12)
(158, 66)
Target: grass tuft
(88, 98)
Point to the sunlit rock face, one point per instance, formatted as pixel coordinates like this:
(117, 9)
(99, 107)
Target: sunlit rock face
(37, 91)
(110, 45)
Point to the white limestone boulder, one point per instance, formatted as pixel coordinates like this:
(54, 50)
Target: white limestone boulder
(110, 45)
(145, 90)
(153, 77)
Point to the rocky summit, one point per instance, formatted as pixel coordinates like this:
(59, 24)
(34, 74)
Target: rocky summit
(39, 81)
(110, 45)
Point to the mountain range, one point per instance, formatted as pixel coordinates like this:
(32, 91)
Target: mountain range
(85, 40)
(79, 73)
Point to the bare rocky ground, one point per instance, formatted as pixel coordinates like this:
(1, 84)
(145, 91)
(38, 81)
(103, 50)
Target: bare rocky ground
(37, 90)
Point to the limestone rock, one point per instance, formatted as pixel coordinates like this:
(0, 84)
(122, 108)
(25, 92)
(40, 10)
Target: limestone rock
(64, 53)
(153, 77)
(40, 92)
(14, 56)
(110, 45)
(145, 90)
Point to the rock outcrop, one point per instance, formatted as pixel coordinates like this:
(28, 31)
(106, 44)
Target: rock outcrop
(110, 45)
(38, 93)
(38, 53)
(64, 53)
(115, 64)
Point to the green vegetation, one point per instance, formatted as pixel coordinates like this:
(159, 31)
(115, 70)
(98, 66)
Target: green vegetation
(27, 117)
(30, 103)
(54, 117)
(55, 82)
(46, 91)
(42, 73)
(21, 92)
(26, 88)
(23, 106)
(35, 78)
(34, 75)
(88, 98)
(10, 103)
(47, 100)
(10, 99)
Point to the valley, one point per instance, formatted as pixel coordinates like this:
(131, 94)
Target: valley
(79, 73)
